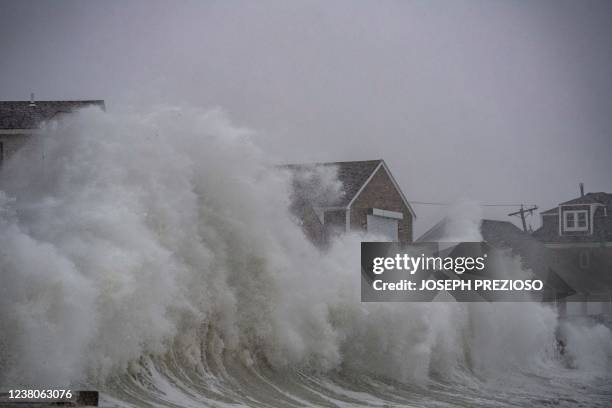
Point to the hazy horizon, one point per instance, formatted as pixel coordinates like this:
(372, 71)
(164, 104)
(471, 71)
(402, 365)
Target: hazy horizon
(498, 102)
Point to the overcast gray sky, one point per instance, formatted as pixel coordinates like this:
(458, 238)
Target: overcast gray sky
(497, 101)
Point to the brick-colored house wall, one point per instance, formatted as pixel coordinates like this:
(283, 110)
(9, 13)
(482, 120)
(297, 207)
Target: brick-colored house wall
(335, 223)
(381, 193)
(313, 228)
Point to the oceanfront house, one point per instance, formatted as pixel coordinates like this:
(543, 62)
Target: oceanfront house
(19, 120)
(562, 280)
(504, 235)
(580, 232)
(368, 198)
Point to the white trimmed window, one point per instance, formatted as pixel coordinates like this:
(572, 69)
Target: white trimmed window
(575, 220)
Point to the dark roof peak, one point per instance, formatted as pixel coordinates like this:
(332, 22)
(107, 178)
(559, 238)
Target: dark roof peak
(591, 198)
(336, 163)
(50, 101)
(352, 175)
(31, 114)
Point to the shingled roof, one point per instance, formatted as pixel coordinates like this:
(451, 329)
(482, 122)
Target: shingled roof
(589, 198)
(352, 175)
(592, 198)
(30, 115)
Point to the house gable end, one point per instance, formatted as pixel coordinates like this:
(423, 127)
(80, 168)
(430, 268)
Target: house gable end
(380, 191)
(383, 165)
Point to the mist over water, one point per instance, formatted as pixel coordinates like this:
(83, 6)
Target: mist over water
(153, 255)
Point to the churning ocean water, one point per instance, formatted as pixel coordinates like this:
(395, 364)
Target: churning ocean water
(152, 256)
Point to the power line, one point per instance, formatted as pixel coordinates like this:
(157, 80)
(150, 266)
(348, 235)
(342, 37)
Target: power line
(481, 205)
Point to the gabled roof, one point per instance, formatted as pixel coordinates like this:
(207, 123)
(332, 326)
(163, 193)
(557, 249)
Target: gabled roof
(28, 115)
(437, 233)
(589, 198)
(353, 175)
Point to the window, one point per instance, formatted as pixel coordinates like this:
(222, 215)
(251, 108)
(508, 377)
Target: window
(575, 220)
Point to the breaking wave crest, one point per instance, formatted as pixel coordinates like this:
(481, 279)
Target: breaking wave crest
(153, 256)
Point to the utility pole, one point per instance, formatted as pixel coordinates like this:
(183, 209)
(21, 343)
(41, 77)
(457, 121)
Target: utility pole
(522, 213)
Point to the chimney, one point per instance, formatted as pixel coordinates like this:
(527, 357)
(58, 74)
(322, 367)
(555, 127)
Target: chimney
(32, 103)
(581, 189)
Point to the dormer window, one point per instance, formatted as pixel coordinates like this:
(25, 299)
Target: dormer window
(575, 220)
